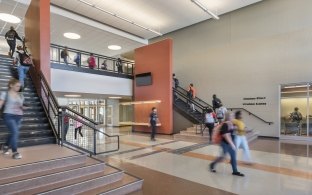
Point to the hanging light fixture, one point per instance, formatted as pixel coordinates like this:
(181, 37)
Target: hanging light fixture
(199, 4)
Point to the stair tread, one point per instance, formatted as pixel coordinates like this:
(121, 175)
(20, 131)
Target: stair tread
(107, 171)
(127, 179)
(88, 162)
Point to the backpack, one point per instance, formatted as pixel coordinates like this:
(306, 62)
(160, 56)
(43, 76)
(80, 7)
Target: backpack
(3, 106)
(219, 113)
(11, 35)
(25, 60)
(209, 118)
(216, 134)
(296, 116)
(62, 54)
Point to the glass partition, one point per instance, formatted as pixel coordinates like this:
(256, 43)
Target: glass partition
(295, 109)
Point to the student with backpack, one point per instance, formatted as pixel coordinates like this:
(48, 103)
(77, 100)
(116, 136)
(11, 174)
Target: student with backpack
(210, 118)
(220, 112)
(227, 145)
(11, 102)
(216, 102)
(11, 37)
(65, 55)
(23, 62)
(91, 61)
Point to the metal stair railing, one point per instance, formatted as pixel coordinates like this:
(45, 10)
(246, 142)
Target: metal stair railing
(94, 140)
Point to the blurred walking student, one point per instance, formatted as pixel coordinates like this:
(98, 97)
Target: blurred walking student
(12, 104)
(119, 65)
(175, 84)
(152, 122)
(77, 59)
(216, 102)
(104, 65)
(91, 61)
(191, 96)
(66, 126)
(220, 112)
(65, 55)
(240, 138)
(11, 37)
(227, 145)
(23, 61)
(210, 118)
(78, 127)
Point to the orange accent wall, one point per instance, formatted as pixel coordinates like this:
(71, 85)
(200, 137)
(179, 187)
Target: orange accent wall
(37, 33)
(157, 59)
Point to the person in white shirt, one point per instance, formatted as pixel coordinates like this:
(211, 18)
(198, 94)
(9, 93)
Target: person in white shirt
(220, 112)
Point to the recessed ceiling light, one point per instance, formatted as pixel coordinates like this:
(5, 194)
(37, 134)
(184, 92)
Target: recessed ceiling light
(114, 47)
(72, 95)
(9, 18)
(71, 35)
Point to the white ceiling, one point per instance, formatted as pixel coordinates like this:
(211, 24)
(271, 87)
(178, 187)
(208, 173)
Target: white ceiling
(161, 15)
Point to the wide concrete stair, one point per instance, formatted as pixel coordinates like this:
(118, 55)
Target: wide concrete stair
(190, 135)
(75, 174)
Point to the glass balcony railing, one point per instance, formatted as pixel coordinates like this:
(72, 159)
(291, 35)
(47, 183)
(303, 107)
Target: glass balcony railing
(103, 63)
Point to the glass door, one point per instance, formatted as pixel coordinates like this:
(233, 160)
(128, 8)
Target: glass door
(109, 115)
(295, 109)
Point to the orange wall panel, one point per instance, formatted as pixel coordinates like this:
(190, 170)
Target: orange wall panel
(37, 31)
(157, 59)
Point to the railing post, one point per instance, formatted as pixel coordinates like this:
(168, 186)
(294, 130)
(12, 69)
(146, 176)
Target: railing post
(98, 64)
(94, 142)
(61, 129)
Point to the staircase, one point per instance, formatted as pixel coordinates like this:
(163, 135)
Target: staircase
(35, 129)
(72, 173)
(193, 134)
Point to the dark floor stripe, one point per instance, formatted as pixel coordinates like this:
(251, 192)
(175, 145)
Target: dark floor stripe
(189, 148)
(138, 149)
(149, 153)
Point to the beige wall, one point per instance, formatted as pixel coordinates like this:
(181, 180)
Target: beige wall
(248, 53)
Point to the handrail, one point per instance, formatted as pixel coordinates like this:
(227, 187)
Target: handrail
(191, 100)
(250, 113)
(208, 105)
(77, 113)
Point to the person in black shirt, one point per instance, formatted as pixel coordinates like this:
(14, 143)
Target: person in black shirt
(11, 37)
(216, 102)
(175, 85)
(227, 145)
(153, 121)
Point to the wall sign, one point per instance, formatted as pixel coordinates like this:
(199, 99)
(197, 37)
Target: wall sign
(254, 101)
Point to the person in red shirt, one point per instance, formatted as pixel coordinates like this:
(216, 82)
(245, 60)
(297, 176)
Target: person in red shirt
(91, 61)
(191, 95)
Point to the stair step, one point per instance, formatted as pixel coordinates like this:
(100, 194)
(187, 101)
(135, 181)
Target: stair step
(36, 141)
(126, 185)
(89, 161)
(16, 171)
(76, 186)
(29, 125)
(53, 179)
(28, 134)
